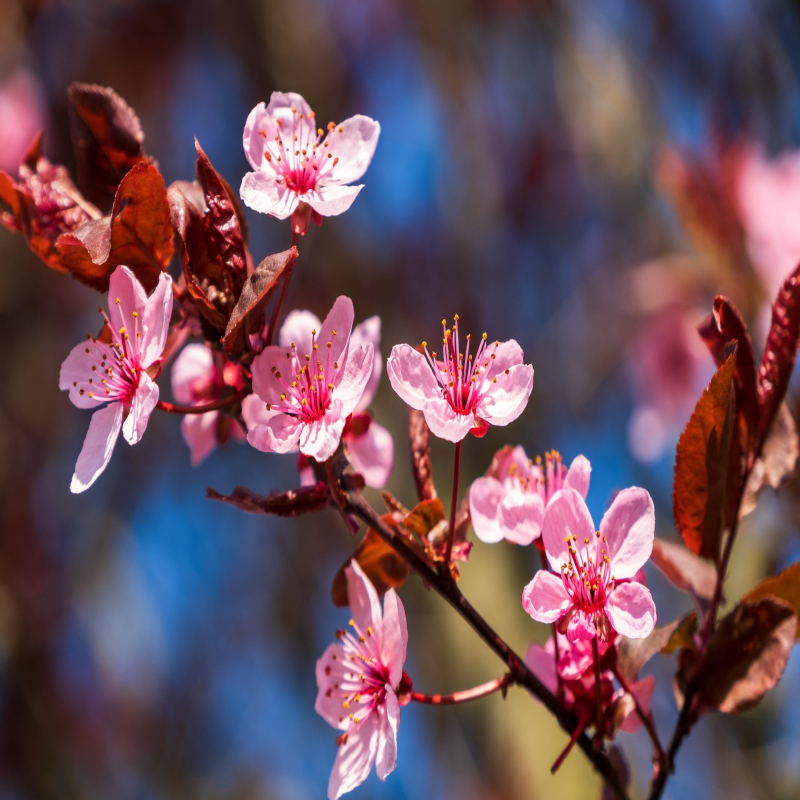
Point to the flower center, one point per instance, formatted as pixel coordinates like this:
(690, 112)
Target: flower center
(586, 577)
(308, 393)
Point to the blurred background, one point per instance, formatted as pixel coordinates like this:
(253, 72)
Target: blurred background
(583, 177)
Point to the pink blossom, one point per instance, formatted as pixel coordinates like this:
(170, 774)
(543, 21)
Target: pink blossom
(511, 503)
(490, 388)
(198, 378)
(357, 680)
(114, 378)
(310, 387)
(21, 117)
(594, 594)
(293, 163)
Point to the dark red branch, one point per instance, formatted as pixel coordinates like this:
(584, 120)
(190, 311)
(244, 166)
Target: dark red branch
(485, 689)
(451, 531)
(223, 402)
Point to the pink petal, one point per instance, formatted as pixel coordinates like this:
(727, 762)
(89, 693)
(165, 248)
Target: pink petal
(394, 636)
(643, 692)
(252, 140)
(580, 627)
(521, 516)
(266, 119)
(485, 495)
(446, 423)
(369, 331)
(142, 405)
(195, 363)
(200, 433)
(354, 146)
(331, 200)
(125, 295)
(262, 192)
(279, 434)
(566, 514)
(545, 597)
(339, 319)
(507, 355)
(411, 376)
(329, 707)
(77, 369)
(270, 362)
(354, 377)
(372, 455)
(297, 328)
(629, 526)
(542, 664)
(320, 439)
(363, 599)
(386, 756)
(254, 411)
(97, 446)
(157, 313)
(631, 610)
(506, 399)
(578, 475)
(354, 759)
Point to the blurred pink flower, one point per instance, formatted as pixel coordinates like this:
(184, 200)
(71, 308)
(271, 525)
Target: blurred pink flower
(461, 393)
(307, 407)
(357, 680)
(592, 597)
(293, 163)
(511, 504)
(22, 116)
(96, 373)
(197, 379)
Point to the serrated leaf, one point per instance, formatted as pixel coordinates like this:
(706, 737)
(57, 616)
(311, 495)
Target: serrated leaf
(785, 587)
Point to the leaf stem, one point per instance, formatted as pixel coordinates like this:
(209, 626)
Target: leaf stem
(485, 689)
(451, 532)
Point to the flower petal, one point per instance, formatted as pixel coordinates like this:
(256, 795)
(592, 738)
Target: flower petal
(394, 638)
(200, 433)
(643, 692)
(411, 376)
(566, 515)
(331, 200)
(267, 365)
(578, 475)
(580, 627)
(194, 365)
(353, 142)
(353, 378)
(545, 597)
(263, 193)
(97, 446)
(142, 405)
(485, 495)
(254, 411)
(339, 319)
(297, 328)
(372, 455)
(369, 331)
(542, 664)
(279, 434)
(354, 759)
(363, 599)
(629, 526)
(506, 400)
(386, 757)
(329, 703)
(76, 370)
(631, 610)
(506, 355)
(125, 295)
(446, 423)
(320, 439)
(521, 516)
(157, 313)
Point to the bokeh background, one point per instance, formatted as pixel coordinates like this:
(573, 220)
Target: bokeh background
(562, 172)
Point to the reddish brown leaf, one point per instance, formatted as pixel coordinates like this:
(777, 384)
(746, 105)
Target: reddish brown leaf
(701, 466)
(784, 587)
(781, 350)
(683, 636)
(138, 234)
(426, 516)
(746, 655)
(635, 653)
(419, 438)
(107, 137)
(293, 503)
(688, 572)
(246, 318)
(777, 461)
(380, 563)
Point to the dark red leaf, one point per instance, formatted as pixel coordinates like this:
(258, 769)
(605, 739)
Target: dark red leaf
(702, 467)
(138, 234)
(246, 318)
(633, 654)
(419, 438)
(107, 137)
(687, 571)
(293, 503)
(777, 362)
(784, 587)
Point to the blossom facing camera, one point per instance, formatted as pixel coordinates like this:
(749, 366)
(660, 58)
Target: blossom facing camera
(463, 392)
(357, 679)
(113, 377)
(595, 593)
(310, 386)
(296, 162)
(510, 500)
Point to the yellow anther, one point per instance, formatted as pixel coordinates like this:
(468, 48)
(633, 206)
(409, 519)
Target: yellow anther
(269, 407)
(369, 631)
(283, 396)
(586, 540)
(135, 314)
(122, 329)
(118, 301)
(484, 337)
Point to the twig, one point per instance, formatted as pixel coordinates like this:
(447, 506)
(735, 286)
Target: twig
(223, 402)
(485, 689)
(451, 531)
(276, 312)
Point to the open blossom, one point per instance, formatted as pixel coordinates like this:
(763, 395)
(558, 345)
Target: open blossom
(113, 378)
(310, 386)
(509, 501)
(357, 679)
(595, 592)
(198, 378)
(463, 392)
(294, 162)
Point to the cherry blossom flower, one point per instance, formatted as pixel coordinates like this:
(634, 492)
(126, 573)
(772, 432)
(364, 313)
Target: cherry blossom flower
(295, 163)
(310, 386)
(594, 595)
(115, 378)
(357, 680)
(198, 377)
(509, 501)
(463, 392)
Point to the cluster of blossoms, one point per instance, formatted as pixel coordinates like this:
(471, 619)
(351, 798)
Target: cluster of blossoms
(309, 394)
